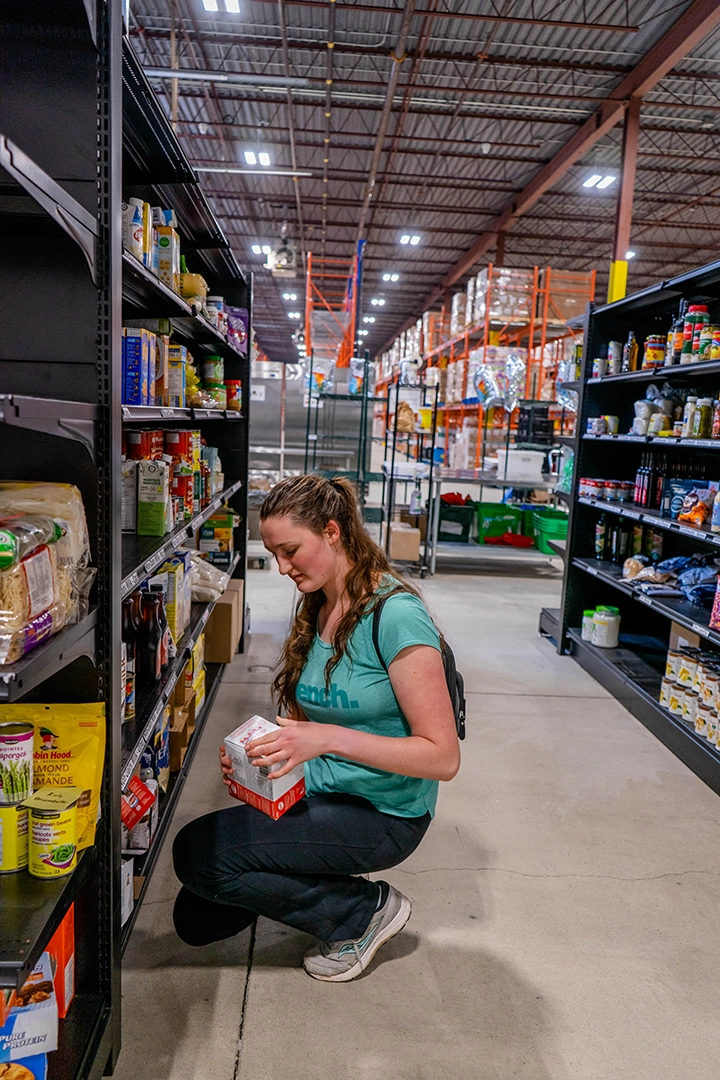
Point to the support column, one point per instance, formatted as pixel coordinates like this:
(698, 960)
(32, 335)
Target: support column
(617, 284)
(500, 249)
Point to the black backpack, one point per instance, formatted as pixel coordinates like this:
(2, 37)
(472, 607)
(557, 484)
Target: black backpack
(453, 678)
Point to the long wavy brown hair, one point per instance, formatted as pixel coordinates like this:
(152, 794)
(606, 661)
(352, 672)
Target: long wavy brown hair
(313, 501)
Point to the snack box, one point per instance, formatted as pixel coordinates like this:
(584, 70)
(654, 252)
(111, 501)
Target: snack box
(251, 784)
(28, 1068)
(62, 954)
(135, 366)
(199, 691)
(31, 1025)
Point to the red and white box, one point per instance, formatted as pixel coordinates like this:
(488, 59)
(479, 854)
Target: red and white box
(250, 783)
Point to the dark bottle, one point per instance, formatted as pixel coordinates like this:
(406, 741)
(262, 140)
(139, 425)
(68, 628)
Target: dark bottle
(621, 543)
(130, 639)
(158, 591)
(600, 536)
(150, 646)
(649, 483)
(611, 528)
(660, 477)
(638, 480)
(678, 332)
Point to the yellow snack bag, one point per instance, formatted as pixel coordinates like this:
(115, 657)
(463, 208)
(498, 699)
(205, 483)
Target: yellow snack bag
(69, 752)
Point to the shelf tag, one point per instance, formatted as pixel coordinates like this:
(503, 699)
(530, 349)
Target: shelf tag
(689, 532)
(591, 569)
(631, 514)
(168, 413)
(130, 583)
(125, 413)
(644, 599)
(155, 560)
(703, 631)
(204, 617)
(180, 539)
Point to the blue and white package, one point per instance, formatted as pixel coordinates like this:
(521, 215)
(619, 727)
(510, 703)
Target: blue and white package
(31, 1027)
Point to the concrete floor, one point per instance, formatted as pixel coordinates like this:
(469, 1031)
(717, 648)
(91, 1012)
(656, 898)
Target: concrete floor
(565, 922)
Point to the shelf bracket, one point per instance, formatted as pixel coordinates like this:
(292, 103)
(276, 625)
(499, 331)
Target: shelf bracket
(92, 20)
(66, 211)
(67, 419)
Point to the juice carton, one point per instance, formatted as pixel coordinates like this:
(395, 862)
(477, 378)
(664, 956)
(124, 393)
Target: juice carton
(168, 255)
(153, 494)
(251, 784)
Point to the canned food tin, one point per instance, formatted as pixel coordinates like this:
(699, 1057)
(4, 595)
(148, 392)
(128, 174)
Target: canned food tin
(709, 686)
(707, 335)
(599, 367)
(16, 762)
(53, 831)
(596, 425)
(665, 688)
(686, 670)
(702, 716)
(654, 351)
(715, 345)
(676, 699)
(712, 727)
(614, 360)
(234, 394)
(690, 706)
(13, 839)
(672, 664)
(627, 491)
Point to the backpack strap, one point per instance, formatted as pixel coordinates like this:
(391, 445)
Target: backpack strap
(377, 612)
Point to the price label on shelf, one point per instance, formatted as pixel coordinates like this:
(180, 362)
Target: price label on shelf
(130, 583)
(591, 569)
(180, 539)
(689, 532)
(155, 559)
(204, 618)
(167, 413)
(644, 599)
(631, 514)
(703, 631)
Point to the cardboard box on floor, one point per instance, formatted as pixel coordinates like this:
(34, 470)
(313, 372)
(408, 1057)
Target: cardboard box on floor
(224, 627)
(404, 542)
(182, 726)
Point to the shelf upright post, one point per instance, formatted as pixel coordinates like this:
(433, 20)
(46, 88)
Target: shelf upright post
(309, 406)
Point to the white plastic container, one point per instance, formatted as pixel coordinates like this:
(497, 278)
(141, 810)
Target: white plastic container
(586, 631)
(520, 465)
(606, 629)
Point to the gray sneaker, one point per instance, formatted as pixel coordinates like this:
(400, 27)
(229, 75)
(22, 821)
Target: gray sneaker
(341, 961)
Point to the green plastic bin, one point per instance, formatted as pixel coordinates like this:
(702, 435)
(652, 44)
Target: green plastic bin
(529, 512)
(550, 525)
(455, 522)
(494, 519)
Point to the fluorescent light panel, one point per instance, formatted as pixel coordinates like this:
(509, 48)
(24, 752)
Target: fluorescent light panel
(606, 182)
(592, 180)
(250, 157)
(264, 159)
(210, 5)
(233, 6)
(630, 254)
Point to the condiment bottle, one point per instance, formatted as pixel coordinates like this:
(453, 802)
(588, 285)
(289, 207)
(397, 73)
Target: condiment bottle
(150, 651)
(689, 416)
(702, 421)
(629, 362)
(165, 640)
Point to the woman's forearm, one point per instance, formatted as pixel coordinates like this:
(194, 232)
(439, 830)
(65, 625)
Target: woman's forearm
(410, 756)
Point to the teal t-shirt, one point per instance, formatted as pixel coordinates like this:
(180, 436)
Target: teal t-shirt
(361, 697)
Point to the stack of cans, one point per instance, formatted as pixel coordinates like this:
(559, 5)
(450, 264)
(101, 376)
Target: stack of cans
(690, 690)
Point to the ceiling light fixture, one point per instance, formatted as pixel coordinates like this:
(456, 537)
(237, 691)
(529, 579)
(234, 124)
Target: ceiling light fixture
(264, 159)
(592, 180)
(289, 296)
(630, 254)
(266, 249)
(238, 78)
(368, 318)
(363, 333)
(210, 5)
(606, 181)
(256, 249)
(377, 302)
(405, 238)
(233, 6)
(414, 241)
(249, 172)
(390, 277)
(293, 314)
(250, 157)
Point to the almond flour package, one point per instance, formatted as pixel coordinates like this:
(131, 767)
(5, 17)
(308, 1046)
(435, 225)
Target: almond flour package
(69, 752)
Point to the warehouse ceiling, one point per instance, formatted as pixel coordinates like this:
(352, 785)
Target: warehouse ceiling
(487, 93)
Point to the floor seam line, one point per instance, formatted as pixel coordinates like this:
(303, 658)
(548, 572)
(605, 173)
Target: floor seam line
(582, 877)
(246, 995)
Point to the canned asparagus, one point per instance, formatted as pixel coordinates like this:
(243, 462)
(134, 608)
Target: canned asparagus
(16, 762)
(13, 839)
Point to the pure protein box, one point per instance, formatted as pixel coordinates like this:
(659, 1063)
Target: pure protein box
(250, 783)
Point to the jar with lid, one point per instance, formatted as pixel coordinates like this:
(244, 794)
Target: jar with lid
(689, 417)
(707, 334)
(665, 689)
(606, 629)
(702, 319)
(689, 707)
(702, 421)
(586, 631)
(654, 355)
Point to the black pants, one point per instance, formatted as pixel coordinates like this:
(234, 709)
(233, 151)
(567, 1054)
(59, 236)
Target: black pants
(238, 863)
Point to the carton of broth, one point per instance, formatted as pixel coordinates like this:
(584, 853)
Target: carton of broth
(250, 783)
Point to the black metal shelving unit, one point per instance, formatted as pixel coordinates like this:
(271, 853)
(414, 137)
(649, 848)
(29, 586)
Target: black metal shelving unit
(80, 130)
(632, 672)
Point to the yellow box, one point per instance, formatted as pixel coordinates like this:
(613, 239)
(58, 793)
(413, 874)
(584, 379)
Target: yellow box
(175, 598)
(199, 689)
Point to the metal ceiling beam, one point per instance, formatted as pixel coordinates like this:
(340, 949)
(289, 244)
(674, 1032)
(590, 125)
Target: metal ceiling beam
(692, 27)
(398, 56)
(381, 9)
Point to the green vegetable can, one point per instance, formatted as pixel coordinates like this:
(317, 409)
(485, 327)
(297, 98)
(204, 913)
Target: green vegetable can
(53, 842)
(16, 762)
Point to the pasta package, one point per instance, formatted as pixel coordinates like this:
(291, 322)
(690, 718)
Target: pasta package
(43, 586)
(69, 751)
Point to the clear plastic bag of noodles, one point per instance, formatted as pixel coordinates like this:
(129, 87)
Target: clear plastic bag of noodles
(49, 586)
(63, 503)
